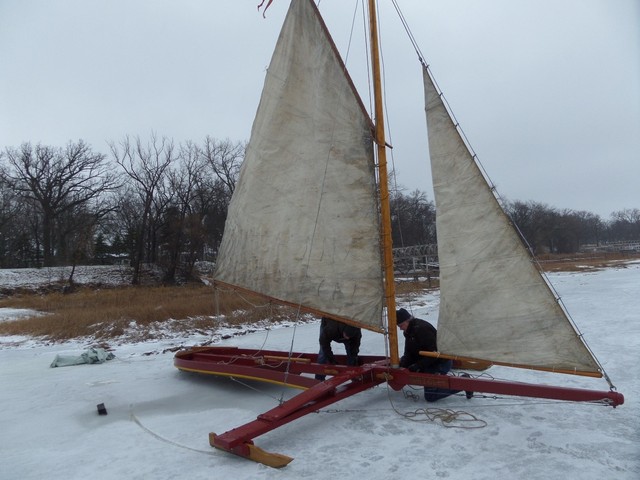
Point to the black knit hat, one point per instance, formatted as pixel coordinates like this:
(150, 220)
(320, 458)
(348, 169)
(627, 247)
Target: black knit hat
(402, 316)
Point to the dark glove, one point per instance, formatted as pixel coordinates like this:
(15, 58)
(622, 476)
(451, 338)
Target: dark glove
(414, 368)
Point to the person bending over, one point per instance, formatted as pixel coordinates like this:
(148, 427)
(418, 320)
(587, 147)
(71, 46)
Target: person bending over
(333, 331)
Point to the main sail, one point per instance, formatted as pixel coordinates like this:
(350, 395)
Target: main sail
(494, 303)
(303, 224)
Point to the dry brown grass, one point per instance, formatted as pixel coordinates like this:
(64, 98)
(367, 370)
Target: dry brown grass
(583, 261)
(137, 312)
(409, 287)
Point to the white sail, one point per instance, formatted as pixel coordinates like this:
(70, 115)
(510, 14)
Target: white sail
(494, 304)
(303, 224)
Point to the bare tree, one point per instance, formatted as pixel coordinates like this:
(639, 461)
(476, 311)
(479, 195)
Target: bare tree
(625, 225)
(225, 159)
(413, 219)
(146, 166)
(58, 181)
(13, 227)
(536, 222)
(183, 225)
(127, 221)
(590, 227)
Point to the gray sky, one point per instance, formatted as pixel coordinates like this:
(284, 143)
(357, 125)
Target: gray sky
(547, 91)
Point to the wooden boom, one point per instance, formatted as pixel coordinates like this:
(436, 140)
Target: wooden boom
(487, 363)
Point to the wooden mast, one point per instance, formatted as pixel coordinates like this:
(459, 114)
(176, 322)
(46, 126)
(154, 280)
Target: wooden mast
(387, 247)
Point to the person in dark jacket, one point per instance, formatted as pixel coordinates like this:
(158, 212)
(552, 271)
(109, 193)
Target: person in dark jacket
(333, 331)
(421, 335)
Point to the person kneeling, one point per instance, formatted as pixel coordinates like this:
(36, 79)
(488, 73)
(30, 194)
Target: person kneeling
(421, 335)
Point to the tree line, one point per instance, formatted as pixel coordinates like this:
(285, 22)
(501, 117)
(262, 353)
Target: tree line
(546, 229)
(150, 202)
(155, 202)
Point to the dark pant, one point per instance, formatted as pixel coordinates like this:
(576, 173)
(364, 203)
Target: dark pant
(352, 358)
(432, 394)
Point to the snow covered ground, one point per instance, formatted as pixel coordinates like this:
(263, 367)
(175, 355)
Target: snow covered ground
(159, 419)
(33, 278)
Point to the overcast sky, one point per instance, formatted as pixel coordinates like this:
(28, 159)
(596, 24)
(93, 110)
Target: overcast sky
(547, 91)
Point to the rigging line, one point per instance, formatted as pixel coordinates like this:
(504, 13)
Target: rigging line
(266, 337)
(405, 24)
(163, 439)
(574, 324)
(216, 301)
(290, 355)
(592, 403)
(388, 122)
(395, 178)
(446, 417)
(444, 99)
(353, 22)
(279, 400)
(268, 330)
(218, 289)
(352, 410)
(365, 27)
(390, 142)
(239, 294)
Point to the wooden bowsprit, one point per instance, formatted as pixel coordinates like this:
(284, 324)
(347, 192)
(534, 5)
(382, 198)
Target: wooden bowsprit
(288, 369)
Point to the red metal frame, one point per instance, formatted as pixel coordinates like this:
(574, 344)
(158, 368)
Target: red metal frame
(344, 381)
